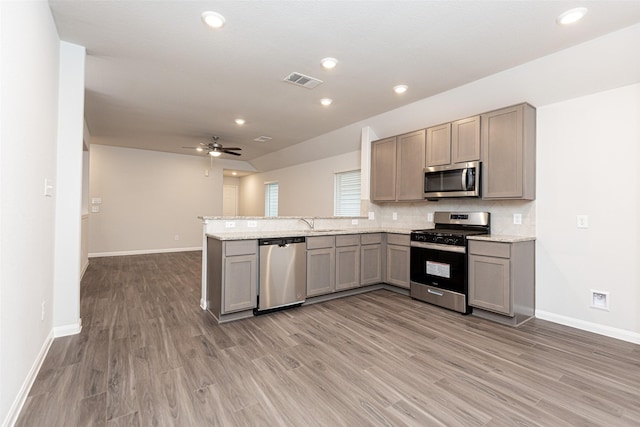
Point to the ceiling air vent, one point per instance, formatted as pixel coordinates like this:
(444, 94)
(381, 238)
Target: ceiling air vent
(302, 80)
(263, 139)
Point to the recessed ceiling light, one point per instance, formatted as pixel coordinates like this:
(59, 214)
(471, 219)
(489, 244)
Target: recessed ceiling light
(234, 173)
(326, 101)
(571, 16)
(329, 63)
(215, 153)
(213, 19)
(400, 89)
(240, 122)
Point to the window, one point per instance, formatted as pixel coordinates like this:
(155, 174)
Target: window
(271, 199)
(346, 194)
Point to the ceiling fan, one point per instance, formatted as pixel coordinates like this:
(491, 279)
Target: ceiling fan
(215, 149)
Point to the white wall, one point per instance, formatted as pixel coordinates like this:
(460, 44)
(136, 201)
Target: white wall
(149, 197)
(68, 267)
(588, 152)
(28, 127)
(303, 190)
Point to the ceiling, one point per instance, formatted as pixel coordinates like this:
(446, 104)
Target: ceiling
(158, 79)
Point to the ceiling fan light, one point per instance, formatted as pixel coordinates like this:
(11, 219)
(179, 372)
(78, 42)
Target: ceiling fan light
(213, 19)
(240, 122)
(215, 153)
(199, 149)
(326, 101)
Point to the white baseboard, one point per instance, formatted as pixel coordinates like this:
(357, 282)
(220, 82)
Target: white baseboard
(621, 334)
(21, 398)
(144, 252)
(63, 331)
(84, 268)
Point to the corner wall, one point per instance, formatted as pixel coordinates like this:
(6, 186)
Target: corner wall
(29, 61)
(148, 198)
(588, 151)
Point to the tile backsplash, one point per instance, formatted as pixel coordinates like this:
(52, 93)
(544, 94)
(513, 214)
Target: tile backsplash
(415, 215)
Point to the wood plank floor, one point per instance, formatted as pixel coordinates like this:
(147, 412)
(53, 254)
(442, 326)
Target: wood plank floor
(148, 355)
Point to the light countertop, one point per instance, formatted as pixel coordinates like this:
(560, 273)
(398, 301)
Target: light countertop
(504, 238)
(259, 234)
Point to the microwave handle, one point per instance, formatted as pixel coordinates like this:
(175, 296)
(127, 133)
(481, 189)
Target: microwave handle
(465, 171)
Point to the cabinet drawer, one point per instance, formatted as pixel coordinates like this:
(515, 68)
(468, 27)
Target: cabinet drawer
(319, 242)
(493, 249)
(398, 239)
(240, 247)
(371, 239)
(348, 240)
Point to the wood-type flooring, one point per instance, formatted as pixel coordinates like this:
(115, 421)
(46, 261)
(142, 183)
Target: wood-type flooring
(149, 356)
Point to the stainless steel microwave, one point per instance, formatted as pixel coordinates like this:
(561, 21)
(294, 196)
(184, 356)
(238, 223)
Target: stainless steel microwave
(457, 180)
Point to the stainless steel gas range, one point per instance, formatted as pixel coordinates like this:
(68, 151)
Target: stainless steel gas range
(439, 258)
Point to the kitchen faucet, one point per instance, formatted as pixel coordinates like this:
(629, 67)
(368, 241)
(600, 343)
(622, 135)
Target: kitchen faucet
(309, 222)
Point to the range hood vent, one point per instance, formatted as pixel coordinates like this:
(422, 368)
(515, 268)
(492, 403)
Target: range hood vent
(302, 80)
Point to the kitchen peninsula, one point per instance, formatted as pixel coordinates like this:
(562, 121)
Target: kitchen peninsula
(344, 256)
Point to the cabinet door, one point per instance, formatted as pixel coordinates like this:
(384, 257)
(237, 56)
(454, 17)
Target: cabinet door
(508, 153)
(489, 284)
(398, 266)
(383, 170)
(465, 140)
(320, 271)
(411, 157)
(439, 145)
(371, 264)
(347, 267)
(240, 283)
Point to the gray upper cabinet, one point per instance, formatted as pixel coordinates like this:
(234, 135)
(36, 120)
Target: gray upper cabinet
(383, 170)
(465, 140)
(396, 168)
(410, 166)
(509, 153)
(438, 146)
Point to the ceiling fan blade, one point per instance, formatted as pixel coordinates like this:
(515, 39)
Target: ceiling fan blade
(232, 148)
(231, 152)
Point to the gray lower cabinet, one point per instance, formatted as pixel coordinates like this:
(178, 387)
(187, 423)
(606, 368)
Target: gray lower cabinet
(398, 256)
(371, 259)
(347, 262)
(321, 265)
(502, 280)
(509, 153)
(232, 275)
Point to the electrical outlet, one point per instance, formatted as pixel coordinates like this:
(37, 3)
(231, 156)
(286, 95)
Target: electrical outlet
(48, 187)
(42, 316)
(176, 237)
(394, 216)
(95, 209)
(582, 221)
(372, 215)
(354, 222)
(430, 217)
(230, 224)
(252, 224)
(517, 219)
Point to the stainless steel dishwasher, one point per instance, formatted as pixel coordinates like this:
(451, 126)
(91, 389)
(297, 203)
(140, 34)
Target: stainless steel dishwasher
(283, 273)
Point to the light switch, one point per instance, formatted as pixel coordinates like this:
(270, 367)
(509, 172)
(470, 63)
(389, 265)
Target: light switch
(95, 209)
(48, 187)
(96, 200)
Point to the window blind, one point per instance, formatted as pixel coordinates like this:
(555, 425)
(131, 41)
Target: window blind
(271, 199)
(346, 201)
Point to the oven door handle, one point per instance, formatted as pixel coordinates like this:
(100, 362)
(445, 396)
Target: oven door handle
(439, 247)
